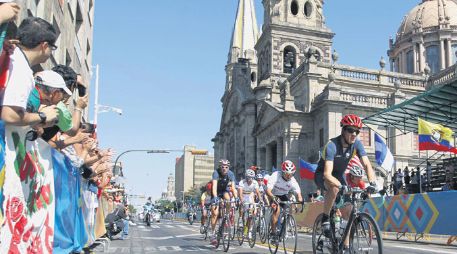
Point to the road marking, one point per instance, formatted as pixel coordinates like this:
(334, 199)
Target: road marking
(154, 226)
(424, 249)
(179, 236)
(156, 238)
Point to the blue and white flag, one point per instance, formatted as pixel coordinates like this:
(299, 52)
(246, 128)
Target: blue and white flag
(384, 157)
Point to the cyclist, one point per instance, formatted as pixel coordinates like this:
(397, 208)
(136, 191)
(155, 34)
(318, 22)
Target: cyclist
(223, 182)
(262, 189)
(248, 189)
(331, 169)
(279, 185)
(205, 201)
(148, 208)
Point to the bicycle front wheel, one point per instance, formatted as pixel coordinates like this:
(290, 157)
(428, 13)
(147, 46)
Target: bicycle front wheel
(226, 234)
(365, 236)
(318, 238)
(273, 242)
(263, 230)
(252, 232)
(289, 235)
(239, 230)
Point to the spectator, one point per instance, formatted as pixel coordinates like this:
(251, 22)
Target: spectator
(36, 43)
(398, 181)
(318, 197)
(407, 178)
(8, 11)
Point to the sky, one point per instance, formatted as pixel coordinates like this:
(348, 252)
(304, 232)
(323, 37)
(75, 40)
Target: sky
(162, 63)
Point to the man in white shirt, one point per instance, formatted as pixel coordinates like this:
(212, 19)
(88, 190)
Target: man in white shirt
(37, 38)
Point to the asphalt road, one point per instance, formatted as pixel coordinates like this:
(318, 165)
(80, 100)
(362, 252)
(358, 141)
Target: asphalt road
(180, 237)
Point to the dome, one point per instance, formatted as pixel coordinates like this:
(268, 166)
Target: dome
(428, 16)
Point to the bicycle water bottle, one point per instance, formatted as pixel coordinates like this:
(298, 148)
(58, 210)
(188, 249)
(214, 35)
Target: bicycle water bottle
(337, 221)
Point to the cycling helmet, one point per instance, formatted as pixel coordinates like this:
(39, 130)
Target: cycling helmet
(356, 171)
(288, 167)
(224, 162)
(209, 186)
(351, 120)
(254, 167)
(259, 176)
(250, 173)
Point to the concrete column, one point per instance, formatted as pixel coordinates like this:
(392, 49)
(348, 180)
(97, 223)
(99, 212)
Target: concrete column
(268, 155)
(442, 55)
(279, 151)
(421, 57)
(449, 52)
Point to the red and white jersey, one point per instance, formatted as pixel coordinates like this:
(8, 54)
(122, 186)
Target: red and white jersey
(280, 187)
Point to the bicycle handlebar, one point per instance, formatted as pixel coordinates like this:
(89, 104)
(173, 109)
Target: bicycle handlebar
(293, 203)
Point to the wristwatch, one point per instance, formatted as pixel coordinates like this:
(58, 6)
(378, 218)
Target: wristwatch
(42, 117)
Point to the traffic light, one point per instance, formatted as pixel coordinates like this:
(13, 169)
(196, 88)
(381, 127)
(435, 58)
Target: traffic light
(199, 152)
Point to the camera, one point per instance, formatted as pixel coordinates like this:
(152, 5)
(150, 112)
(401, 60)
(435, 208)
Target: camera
(88, 127)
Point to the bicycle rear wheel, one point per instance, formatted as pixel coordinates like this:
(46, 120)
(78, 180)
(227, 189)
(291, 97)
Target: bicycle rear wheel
(289, 235)
(262, 230)
(239, 230)
(226, 234)
(365, 236)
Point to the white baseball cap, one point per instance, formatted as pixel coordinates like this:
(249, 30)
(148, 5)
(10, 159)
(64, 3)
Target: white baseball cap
(53, 79)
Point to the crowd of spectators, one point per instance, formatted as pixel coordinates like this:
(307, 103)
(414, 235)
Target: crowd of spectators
(51, 103)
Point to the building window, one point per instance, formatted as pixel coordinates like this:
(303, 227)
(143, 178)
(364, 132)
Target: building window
(410, 62)
(289, 59)
(433, 58)
(365, 136)
(321, 137)
(294, 7)
(308, 10)
(454, 53)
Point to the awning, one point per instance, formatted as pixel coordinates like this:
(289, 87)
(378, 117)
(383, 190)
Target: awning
(437, 105)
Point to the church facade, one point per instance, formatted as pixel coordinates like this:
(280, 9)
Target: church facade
(285, 91)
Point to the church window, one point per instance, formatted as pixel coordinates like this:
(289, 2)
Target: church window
(365, 136)
(454, 53)
(308, 10)
(433, 58)
(294, 7)
(410, 62)
(321, 137)
(289, 59)
(253, 76)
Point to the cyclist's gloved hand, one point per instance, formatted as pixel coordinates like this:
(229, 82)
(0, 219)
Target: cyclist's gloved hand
(372, 188)
(215, 200)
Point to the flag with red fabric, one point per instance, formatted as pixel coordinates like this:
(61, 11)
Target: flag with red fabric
(307, 170)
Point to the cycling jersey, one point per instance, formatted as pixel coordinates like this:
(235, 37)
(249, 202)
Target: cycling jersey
(281, 187)
(334, 151)
(248, 190)
(205, 198)
(223, 181)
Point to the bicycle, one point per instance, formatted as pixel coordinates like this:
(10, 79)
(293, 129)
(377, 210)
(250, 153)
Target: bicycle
(224, 231)
(245, 231)
(204, 230)
(361, 228)
(287, 228)
(262, 223)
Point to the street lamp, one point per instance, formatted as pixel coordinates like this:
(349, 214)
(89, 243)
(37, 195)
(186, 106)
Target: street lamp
(135, 150)
(101, 108)
(182, 205)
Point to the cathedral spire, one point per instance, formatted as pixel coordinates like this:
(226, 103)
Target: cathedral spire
(245, 32)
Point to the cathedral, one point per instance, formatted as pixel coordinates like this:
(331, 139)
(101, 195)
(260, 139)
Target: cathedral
(286, 92)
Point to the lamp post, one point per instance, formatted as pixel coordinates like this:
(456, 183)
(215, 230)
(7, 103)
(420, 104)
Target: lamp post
(138, 150)
(182, 206)
(101, 108)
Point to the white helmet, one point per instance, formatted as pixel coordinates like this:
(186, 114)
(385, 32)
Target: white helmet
(356, 171)
(288, 167)
(250, 173)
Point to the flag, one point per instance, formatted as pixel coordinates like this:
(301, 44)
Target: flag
(384, 157)
(355, 161)
(435, 137)
(69, 232)
(307, 170)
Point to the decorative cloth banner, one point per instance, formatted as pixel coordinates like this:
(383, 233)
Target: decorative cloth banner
(70, 234)
(419, 213)
(28, 191)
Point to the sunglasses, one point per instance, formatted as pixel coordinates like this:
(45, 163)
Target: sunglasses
(352, 130)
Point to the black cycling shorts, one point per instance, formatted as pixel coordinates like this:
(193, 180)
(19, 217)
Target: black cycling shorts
(319, 180)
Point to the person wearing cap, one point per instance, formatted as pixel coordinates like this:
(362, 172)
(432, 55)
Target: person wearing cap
(8, 10)
(37, 39)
